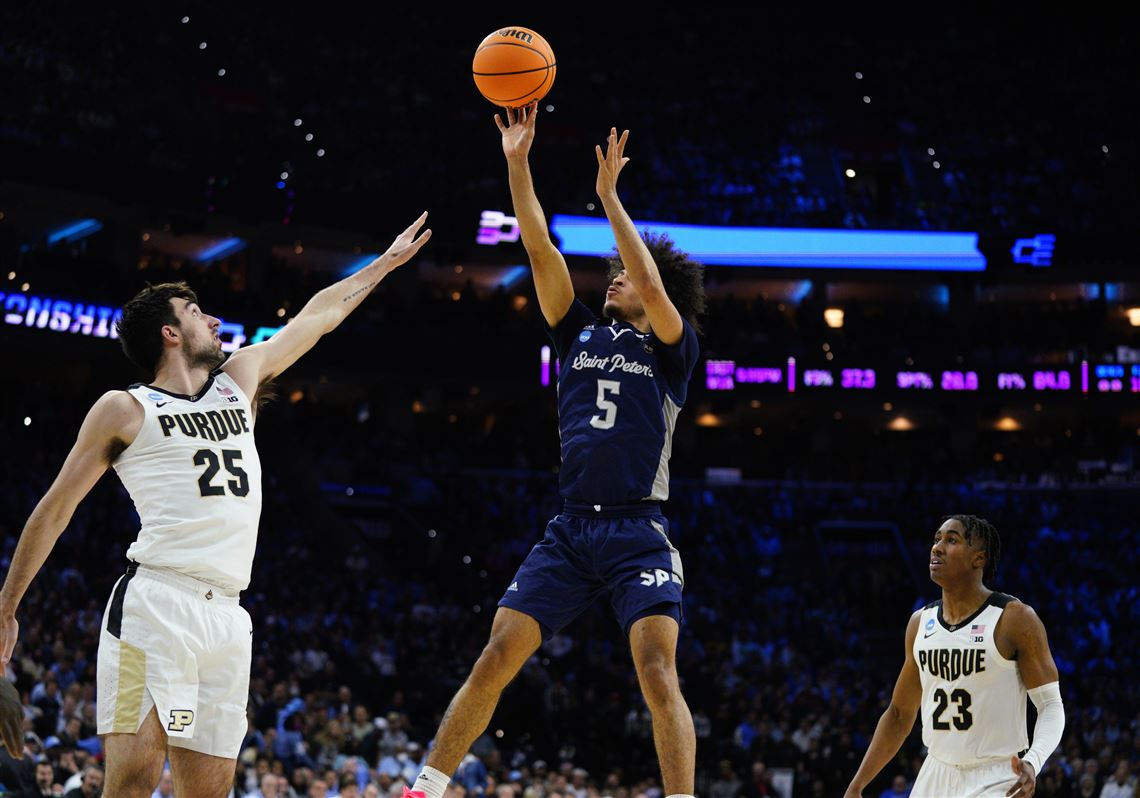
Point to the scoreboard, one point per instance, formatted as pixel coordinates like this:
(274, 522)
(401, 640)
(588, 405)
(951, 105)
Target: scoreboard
(789, 377)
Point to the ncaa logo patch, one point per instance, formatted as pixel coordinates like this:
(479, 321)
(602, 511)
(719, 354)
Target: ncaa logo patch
(584, 336)
(157, 397)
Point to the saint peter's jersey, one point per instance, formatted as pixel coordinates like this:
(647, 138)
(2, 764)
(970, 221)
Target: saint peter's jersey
(195, 478)
(973, 699)
(619, 392)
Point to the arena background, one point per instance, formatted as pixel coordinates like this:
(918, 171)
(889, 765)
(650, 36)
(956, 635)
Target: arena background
(411, 458)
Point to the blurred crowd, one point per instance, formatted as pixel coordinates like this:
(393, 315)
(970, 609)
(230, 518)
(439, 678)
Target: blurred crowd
(361, 641)
(749, 123)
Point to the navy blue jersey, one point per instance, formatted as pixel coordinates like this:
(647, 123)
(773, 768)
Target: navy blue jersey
(619, 392)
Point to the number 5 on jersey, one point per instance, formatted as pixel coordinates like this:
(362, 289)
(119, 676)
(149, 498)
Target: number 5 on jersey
(608, 408)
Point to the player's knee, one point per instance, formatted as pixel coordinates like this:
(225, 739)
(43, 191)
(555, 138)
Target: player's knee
(134, 764)
(131, 780)
(497, 664)
(659, 682)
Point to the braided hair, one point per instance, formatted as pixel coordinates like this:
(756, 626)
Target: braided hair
(981, 534)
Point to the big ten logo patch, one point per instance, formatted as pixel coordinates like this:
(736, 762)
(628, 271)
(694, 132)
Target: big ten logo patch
(180, 719)
(657, 577)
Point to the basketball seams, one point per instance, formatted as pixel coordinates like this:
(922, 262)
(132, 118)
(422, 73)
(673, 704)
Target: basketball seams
(514, 44)
(535, 89)
(527, 94)
(546, 68)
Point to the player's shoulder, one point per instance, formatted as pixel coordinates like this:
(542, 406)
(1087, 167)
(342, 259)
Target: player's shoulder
(577, 316)
(1014, 609)
(1017, 617)
(115, 414)
(912, 630)
(931, 606)
(117, 403)
(1005, 601)
(914, 620)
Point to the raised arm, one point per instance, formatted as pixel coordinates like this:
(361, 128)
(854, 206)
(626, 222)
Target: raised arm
(896, 722)
(551, 277)
(257, 364)
(639, 265)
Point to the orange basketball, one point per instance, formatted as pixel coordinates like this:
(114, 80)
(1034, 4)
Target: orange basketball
(513, 66)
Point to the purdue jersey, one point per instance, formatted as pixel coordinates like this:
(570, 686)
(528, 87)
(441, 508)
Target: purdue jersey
(195, 478)
(619, 393)
(973, 699)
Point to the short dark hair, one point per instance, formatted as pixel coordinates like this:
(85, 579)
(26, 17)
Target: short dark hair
(981, 532)
(683, 277)
(140, 328)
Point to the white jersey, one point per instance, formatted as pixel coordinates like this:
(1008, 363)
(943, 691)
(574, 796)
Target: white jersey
(195, 478)
(974, 701)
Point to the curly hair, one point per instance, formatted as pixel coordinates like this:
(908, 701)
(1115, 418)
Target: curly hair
(981, 534)
(683, 277)
(140, 328)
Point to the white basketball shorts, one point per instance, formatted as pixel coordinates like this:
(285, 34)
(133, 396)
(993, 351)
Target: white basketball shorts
(182, 646)
(936, 779)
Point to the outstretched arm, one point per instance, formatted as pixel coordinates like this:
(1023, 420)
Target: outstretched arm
(551, 277)
(896, 723)
(254, 365)
(639, 265)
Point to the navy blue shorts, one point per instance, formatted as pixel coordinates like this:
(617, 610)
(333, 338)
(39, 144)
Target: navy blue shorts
(623, 552)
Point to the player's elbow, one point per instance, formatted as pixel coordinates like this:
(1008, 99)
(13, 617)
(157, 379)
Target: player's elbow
(653, 296)
(50, 516)
(330, 318)
(542, 253)
(901, 715)
(535, 235)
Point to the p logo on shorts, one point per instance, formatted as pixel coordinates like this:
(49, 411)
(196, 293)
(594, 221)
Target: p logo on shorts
(180, 719)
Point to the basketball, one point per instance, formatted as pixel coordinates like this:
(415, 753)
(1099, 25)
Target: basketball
(513, 67)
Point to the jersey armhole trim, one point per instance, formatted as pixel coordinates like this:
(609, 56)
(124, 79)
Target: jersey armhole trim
(1002, 599)
(1003, 662)
(142, 426)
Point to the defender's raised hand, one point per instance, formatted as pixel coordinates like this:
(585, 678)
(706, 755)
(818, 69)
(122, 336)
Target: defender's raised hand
(518, 133)
(611, 163)
(406, 244)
